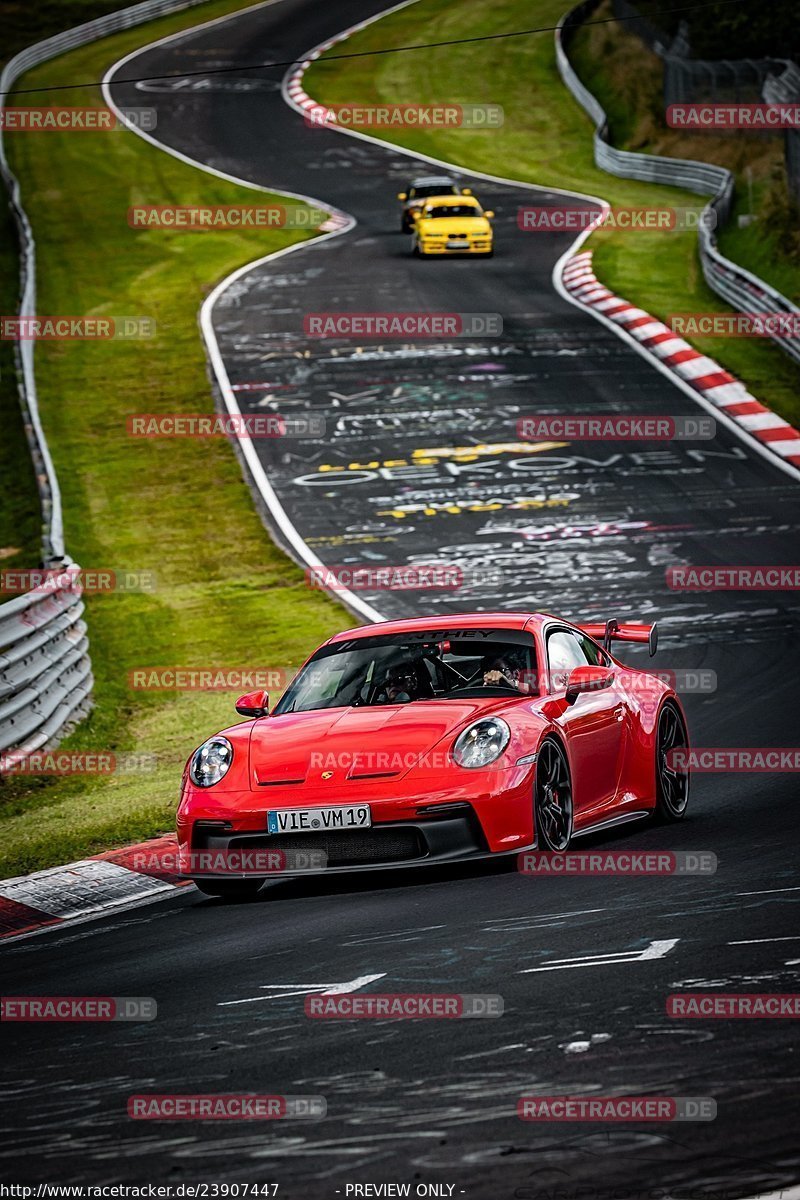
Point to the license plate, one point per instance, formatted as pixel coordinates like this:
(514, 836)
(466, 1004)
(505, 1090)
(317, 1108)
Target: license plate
(314, 820)
(457, 245)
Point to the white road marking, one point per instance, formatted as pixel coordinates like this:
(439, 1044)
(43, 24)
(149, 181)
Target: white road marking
(410, 934)
(759, 941)
(654, 950)
(769, 891)
(509, 924)
(306, 989)
(791, 1193)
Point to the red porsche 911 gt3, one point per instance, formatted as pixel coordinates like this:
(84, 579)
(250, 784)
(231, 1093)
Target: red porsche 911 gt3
(427, 741)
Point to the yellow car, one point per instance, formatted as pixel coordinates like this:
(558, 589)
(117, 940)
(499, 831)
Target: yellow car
(453, 225)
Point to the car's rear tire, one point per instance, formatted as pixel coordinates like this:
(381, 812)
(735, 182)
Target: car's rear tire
(552, 792)
(672, 781)
(230, 889)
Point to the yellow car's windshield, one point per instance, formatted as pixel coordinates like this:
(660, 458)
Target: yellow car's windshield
(452, 210)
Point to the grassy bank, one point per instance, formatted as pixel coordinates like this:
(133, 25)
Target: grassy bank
(225, 596)
(20, 518)
(626, 77)
(546, 139)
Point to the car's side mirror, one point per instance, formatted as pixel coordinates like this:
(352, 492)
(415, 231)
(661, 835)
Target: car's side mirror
(488, 212)
(402, 195)
(466, 191)
(588, 679)
(253, 704)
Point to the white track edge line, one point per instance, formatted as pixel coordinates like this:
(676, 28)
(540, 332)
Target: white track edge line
(259, 475)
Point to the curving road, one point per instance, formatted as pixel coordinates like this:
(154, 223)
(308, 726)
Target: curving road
(583, 529)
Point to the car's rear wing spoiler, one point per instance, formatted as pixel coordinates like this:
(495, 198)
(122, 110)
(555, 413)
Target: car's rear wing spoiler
(628, 631)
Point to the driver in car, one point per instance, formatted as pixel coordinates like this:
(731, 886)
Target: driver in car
(504, 671)
(400, 686)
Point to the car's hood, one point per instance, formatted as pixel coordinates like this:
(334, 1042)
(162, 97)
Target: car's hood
(355, 743)
(453, 225)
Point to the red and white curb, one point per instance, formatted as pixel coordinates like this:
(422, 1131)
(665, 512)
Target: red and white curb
(701, 373)
(89, 888)
(293, 83)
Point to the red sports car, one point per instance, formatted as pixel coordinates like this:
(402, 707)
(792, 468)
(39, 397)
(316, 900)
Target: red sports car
(429, 740)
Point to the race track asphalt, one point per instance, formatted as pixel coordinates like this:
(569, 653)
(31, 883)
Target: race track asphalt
(585, 530)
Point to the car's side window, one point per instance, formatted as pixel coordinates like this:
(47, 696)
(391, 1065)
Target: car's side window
(595, 657)
(564, 653)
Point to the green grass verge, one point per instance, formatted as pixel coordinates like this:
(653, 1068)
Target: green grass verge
(226, 596)
(20, 516)
(546, 139)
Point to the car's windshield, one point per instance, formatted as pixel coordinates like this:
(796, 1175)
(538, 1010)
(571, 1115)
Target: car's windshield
(401, 669)
(452, 210)
(432, 189)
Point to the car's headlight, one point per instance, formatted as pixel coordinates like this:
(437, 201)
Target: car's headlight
(210, 762)
(481, 743)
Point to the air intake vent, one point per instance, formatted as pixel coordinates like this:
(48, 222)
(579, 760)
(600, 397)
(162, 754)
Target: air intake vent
(349, 849)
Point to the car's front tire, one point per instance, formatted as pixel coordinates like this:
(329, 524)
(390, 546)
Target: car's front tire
(230, 889)
(672, 780)
(553, 798)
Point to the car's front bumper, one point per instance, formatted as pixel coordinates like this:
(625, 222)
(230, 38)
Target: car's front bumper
(442, 248)
(453, 835)
(421, 819)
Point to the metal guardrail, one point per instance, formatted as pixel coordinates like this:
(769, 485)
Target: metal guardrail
(45, 671)
(739, 287)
